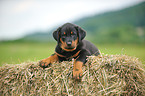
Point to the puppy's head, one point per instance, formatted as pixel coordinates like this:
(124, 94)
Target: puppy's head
(68, 36)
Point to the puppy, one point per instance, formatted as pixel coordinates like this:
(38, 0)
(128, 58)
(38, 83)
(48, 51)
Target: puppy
(70, 44)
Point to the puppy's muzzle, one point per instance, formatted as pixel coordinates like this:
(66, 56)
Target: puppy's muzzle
(69, 43)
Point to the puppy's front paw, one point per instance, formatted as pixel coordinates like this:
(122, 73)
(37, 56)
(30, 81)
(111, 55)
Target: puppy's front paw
(77, 70)
(77, 73)
(44, 63)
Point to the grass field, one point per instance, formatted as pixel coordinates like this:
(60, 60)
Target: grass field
(15, 53)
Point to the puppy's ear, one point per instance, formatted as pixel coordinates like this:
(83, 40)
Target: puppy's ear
(81, 33)
(56, 34)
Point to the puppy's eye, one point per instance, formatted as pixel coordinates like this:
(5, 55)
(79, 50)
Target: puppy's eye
(64, 34)
(73, 33)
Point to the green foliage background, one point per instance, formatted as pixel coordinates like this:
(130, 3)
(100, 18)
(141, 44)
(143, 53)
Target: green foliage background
(124, 26)
(117, 32)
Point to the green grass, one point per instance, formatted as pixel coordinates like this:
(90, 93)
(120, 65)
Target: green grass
(134, 50)
(16, 52)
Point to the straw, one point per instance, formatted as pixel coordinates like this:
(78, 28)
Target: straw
(102, 75)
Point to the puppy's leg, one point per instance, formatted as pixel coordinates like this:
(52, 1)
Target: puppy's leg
(78, 64)
(46, 62)
(77, 69)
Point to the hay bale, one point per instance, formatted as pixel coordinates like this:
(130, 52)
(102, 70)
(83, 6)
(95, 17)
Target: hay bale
(103, 75)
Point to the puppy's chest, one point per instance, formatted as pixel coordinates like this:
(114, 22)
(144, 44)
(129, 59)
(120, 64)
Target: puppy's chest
(69, 55)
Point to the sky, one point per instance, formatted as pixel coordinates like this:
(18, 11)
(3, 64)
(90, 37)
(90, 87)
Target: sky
(21, 17)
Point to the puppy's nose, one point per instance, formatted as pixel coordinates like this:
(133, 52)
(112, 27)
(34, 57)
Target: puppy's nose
(68, 43)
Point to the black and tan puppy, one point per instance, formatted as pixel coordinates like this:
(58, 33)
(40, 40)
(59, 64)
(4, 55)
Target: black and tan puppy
(71, 45)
